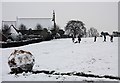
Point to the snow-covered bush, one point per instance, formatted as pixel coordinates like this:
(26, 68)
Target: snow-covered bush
(20, 61)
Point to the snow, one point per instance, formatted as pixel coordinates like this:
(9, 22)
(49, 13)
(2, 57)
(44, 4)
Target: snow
(62, 55)
(0, 65)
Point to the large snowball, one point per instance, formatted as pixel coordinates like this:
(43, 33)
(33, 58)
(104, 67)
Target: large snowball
(20, 61)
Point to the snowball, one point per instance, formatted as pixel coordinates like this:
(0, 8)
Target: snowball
(20, 61)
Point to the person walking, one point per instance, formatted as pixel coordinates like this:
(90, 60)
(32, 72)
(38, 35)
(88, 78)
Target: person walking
(104, 38)
(79, 38)
(95, 37)
(111, 38)
(73, 38)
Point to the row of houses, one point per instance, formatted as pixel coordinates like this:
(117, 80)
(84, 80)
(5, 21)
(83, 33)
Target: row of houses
(14, 31)
(26, 26)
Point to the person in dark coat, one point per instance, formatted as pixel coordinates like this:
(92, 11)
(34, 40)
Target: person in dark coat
(95, 38)
(111, 38)
(79, 38)
(73, 38)
(104, 38)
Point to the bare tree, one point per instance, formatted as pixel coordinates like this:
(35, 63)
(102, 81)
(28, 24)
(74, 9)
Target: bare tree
(5, 28)
(56, 29)
(22, 27)
(38, 27)
(92, 32)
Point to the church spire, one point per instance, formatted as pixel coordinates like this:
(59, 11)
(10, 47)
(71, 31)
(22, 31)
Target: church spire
(53, 19)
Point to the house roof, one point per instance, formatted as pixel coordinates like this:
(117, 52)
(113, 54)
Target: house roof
(8, 21)
(14, 28)
(34, 18)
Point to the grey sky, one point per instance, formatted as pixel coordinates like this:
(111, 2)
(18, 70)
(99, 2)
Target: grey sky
(101, 15)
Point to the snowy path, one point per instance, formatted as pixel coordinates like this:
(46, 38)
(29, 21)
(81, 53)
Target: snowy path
(61, 55)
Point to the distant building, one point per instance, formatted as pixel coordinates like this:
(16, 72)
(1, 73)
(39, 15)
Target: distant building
(30, 23)
(16, 30)
(11, 34)
(33, 22)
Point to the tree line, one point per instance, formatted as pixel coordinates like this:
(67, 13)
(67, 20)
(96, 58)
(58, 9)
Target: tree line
(72, 28)
(76, 27)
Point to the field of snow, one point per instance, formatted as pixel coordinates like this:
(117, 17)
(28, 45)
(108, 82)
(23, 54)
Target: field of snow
(0, 65)
(62, 55)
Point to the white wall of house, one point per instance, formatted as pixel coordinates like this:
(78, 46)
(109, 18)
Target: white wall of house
(32, 22)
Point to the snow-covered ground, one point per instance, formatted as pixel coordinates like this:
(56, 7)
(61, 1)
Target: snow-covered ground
(62, 55)
(0, 65)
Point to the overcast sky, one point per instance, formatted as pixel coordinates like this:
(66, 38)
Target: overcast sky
(100, 15)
